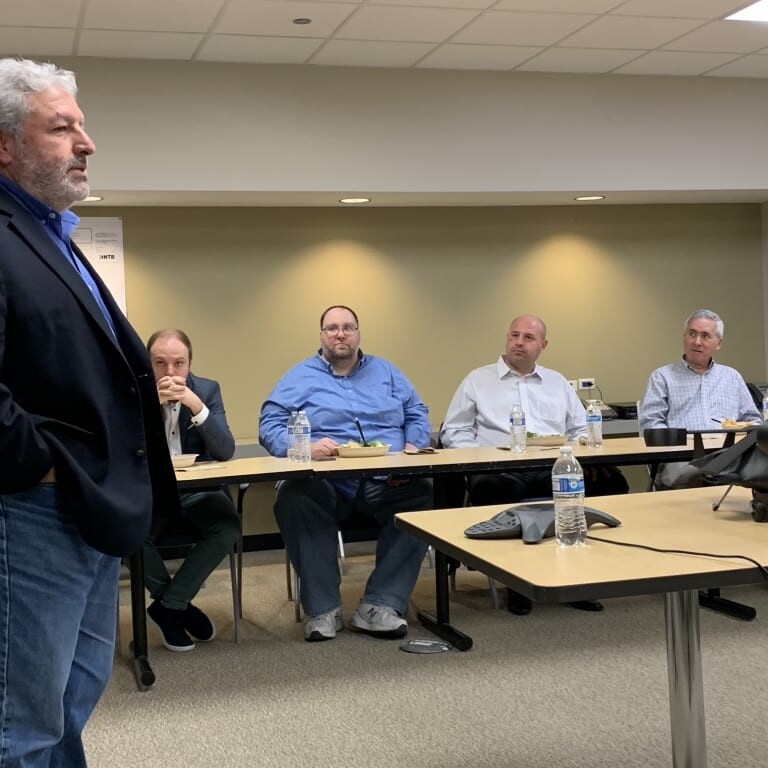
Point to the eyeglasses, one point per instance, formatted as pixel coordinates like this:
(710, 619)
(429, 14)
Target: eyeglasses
(333, 330)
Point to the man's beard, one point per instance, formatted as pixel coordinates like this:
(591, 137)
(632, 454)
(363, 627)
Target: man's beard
(48, 180)
(332, 355)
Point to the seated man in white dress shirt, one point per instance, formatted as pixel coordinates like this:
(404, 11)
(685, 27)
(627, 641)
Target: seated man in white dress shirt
(478, 415)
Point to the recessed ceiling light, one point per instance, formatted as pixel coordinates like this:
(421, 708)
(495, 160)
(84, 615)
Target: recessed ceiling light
(302, 21)
(355, 200)
(587, 198)
(93, 199)
(755, 12)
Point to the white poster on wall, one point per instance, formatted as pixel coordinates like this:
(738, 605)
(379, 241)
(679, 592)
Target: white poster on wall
(101, 240)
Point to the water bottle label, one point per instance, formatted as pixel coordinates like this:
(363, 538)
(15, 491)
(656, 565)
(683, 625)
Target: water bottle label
(302, 430)
(567, 485)
(594, 417)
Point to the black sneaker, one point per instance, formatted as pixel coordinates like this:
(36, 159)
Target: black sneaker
(587, 605)
(517, 603)
(171, 626)
(198, 625)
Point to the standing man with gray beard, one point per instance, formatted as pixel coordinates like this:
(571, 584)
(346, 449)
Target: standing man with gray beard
(82, 447)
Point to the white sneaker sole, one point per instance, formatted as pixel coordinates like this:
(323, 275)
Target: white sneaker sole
(174, 648)
(361, 625)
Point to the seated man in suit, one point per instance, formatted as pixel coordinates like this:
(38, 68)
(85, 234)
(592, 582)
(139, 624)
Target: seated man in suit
(195, 422)
(479, 415)
(334, 386)
(691, 392)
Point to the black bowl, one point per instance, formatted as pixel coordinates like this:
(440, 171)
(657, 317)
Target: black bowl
(665, 436)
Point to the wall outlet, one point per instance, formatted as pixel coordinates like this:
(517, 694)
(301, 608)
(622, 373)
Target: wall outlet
(574, 383)
(587, 383)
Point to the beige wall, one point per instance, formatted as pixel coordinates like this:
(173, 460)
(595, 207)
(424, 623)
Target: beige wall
(436, 288)
(181, 126)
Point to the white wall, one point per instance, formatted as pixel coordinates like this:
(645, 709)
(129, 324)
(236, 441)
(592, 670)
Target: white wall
(174, 126)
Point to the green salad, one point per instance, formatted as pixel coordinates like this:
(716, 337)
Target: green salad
(360, 444)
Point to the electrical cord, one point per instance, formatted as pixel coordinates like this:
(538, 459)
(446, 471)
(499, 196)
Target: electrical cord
(761, 568)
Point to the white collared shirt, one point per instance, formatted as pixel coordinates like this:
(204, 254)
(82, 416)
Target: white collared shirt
(171, 411)
(479, 411)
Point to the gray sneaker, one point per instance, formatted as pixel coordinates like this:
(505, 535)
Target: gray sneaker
(323, 626)
(379, 620)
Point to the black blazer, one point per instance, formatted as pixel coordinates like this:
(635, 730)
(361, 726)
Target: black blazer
(212, 440)
(74, 397)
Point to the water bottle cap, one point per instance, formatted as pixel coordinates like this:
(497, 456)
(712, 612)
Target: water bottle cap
(566, 449)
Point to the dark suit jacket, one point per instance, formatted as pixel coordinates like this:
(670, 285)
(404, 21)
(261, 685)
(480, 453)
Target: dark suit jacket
(74, 397)
(212, 439)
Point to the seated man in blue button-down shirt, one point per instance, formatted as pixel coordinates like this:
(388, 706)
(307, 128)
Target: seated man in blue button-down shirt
(695, 391)
(334, 387)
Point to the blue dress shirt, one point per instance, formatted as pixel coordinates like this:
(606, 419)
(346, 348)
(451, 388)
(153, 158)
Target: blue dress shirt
(376, 392)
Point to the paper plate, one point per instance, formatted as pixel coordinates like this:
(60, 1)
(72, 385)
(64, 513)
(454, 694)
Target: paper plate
(546, 440)
(360, 452)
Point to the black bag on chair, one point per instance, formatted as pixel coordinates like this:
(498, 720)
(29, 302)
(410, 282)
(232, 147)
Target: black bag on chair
(745, 463)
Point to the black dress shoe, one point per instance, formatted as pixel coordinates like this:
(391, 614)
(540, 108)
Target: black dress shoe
(517, 603)
(587, 605)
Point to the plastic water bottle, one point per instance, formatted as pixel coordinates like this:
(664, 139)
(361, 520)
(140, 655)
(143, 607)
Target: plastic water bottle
(291, 434)
(765, 407)
(568, 495)
(303, 436)
(517, 428)
(594, 424)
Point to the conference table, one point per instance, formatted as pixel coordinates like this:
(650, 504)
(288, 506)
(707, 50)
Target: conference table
(632, 559)
(622, 450)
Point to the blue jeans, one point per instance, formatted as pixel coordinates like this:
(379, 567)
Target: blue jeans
(58, 608)
(308, 513)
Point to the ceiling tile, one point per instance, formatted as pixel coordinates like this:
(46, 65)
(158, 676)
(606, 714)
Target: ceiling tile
(273, 17)
(258, 50)
(378, 22)
(41, 13)
(630, 32)
(28, 41)
(674, 63)
(583, 60)
(137, 45)
(682, 9)
(725, 36)
(749, 66)
(511, 28)
(497, 57)
(166, 16)
(560, 6)
(476, 4)
(358, 53)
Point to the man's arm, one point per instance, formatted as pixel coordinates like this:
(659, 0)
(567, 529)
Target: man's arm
(575, 415)
(416, 426)
(24, 454)
(654, 408)
(460, 425)
(748, 411)
(214, 429)
(272, 424)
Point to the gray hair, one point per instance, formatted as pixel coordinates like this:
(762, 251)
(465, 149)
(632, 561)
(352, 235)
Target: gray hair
(707, 314)
(21, 77)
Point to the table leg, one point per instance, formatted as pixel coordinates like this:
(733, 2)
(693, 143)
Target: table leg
(686, 688)
(440, 625)
(142, 671)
